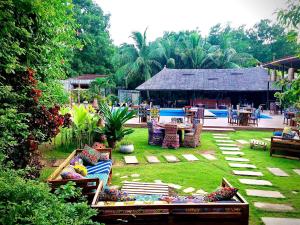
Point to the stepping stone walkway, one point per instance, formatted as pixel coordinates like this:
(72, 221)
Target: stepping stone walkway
(176, 186)
(297, 171)
(267, 139)
(189, 190)
(135, 175)
(218, 134)
(232, 153)
(209, 156)
(117, 174)
(280, 221)
(227, 145)
(152, 159)
(114, 187)
(236, 159)
(277, 172)
(124, 177)
(263, 193)
(200, 191)
(241, 165)
(221, 137)
(224, 141)
(247, 173)
(273, 207)
(171, 158)
(230, 148)
(190, 157)
(256, 182)
(242, 142)
(136, 180)
(130, 160)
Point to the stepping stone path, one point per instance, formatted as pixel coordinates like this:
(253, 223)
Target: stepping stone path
(277, 172)
(152, 159)
(241, 165)
(232, 153)
(256, 182)
(230, 148)
(236, 159)
(130, 160)
(221, 137)
(176, 186)
(190, 157)
(227, 145)
(273, 207)
(114, 187)
(135, 175)
(171, 158)
(124, 177)
(297, 171)
(263, 193)
(200, 191)
(280, 221)
(218, 134)
(189, 190)
(209, 156)
(136, 180)
(242, 142)
(224, 141)
(117, 174)
(247, 173)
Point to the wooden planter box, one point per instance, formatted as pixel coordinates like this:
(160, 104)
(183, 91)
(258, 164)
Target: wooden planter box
(88, 185)
(284, 145)
(233, 213)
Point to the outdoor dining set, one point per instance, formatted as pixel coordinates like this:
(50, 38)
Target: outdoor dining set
(244, 116)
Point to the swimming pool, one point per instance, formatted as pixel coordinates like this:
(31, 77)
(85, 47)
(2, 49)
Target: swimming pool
(218, 113)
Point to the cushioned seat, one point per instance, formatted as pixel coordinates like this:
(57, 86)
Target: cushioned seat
(100, 167)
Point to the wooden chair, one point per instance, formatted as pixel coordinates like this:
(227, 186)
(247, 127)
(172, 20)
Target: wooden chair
(171, 139)
(187, 113)
(193, 139)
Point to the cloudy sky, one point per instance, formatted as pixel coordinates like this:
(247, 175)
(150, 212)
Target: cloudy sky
(176, 15)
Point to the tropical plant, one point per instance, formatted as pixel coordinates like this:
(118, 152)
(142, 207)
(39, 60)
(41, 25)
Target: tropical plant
(115, 119)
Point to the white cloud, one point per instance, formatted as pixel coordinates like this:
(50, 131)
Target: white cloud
(176, 15)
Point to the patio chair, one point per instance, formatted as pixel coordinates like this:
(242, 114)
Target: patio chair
(288, 114)
(155, 113)
(234, 118)
(193, 139)
(142, 114)
(171, 139)
(253, 119)
(155, 135)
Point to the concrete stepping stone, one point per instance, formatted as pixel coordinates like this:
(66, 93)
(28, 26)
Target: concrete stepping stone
(232, 153)
(256, 182)
(152, 159)
(135, 175)
(209, 156)
(116, 174)
(189, 190)
(221, 137)
(200, 191)
(190, 157)
(277, 172)
(130, 160)
(219, 134)
(297, 171)
(114, 187)
(264, 193)
(236, 159)
(247, 173)
(224, 141)
(227, 145)
(241, 165)
(243, 142)
(280, 221)
(230, 148)
(171, 158)
(273, 207)
(136, 180)
(124, 177)
(176, 186)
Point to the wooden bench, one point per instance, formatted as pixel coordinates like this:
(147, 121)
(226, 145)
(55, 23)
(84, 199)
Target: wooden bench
(88, 185)
(234, 213)
(284, 145)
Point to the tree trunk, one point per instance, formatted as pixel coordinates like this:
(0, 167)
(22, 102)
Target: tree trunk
(111, 143)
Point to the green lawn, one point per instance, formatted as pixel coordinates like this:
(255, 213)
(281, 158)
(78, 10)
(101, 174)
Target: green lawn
(205, 174)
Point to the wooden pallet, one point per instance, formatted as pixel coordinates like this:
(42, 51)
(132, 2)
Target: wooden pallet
(145, 188)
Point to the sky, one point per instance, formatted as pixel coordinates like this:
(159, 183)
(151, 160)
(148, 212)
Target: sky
(177, 15)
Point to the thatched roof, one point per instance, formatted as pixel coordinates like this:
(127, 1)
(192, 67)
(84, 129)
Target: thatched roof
(242, 79)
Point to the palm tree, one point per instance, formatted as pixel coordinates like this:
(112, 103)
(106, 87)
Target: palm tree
(140, 58)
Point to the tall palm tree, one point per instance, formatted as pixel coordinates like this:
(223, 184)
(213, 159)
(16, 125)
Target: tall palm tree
(140, 58)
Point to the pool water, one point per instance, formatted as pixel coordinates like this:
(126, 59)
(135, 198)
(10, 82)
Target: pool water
(217, 112)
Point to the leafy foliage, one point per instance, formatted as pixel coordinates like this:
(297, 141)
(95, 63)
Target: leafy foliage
(114, 123)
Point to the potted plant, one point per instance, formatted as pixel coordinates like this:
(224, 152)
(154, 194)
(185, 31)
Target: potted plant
(126, 146)
(114, 119)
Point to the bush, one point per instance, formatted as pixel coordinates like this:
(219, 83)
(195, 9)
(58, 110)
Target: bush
(24, 201)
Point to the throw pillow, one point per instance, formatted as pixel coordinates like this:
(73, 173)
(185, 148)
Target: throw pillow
(104, 156)
(81, 169)
(223, 193)
(89, 155)
(76, 161)
(115, 195)
(70, 173)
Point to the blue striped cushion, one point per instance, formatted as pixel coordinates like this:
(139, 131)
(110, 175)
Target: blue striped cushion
(100, 167)
(101, 176)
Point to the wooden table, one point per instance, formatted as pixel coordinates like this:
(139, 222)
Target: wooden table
(181, 127)
(244, 117)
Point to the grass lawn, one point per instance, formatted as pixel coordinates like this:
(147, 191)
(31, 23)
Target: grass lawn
(205, 174)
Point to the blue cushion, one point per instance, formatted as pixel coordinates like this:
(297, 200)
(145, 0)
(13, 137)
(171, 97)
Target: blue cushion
(101, 176)
(100, 167)
(277, 133)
